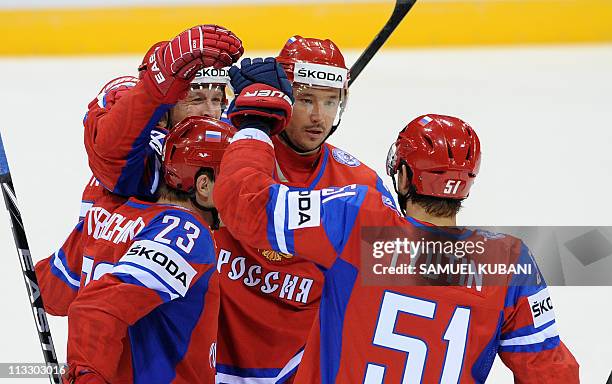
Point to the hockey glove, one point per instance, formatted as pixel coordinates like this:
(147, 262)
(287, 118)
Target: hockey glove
(263, 107)
(265, 71)
(174, 64)
(265, 96)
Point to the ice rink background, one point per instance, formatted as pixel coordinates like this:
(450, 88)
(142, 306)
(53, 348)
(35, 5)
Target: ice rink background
(544, 116)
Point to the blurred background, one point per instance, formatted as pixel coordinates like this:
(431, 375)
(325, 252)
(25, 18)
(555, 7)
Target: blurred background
(533, 77)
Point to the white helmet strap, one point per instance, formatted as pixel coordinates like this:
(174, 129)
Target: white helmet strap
(321, 75)
(211, 75)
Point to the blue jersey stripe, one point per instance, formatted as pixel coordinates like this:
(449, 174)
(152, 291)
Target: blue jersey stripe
(133, 204)
(324, 160)
(338, 216)
(339, 282)
(523, 285)
(484, 363)
(248, 372)
(160, 340)
(524, 331)
(380, 187)
(130, 180)
(289, 239)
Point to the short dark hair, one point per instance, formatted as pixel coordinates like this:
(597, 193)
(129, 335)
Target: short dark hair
(435, 206)
(172, 194)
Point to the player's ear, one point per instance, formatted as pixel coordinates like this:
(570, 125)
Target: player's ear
(403, 181)
(204, 187)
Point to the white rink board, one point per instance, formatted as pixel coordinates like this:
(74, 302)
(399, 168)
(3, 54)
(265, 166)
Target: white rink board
(543, 115)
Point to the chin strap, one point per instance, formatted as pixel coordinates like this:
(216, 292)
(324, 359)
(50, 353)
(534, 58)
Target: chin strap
(213, 211)
(402, 199)
(333, 129)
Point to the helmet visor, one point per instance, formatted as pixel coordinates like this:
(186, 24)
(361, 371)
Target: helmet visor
(319, 103)
(392, 160)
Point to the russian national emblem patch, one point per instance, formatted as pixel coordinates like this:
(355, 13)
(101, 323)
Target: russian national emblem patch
(274, 256)
(345, 158)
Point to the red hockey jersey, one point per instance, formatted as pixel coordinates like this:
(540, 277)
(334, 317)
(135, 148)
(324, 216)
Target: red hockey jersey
(148, 304)
(376, 333)
(123, 145)
(59, 275)
(123, 141)
(269, 298)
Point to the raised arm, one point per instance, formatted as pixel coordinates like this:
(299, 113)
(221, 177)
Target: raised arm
(120, 126)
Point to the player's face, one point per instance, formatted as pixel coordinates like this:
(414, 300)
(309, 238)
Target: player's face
(199, 102)
(314, 111)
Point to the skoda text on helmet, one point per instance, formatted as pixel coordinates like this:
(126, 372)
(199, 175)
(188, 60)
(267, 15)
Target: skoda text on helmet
(214, 78)
(196, 142)
(311, 62)
(442, 154)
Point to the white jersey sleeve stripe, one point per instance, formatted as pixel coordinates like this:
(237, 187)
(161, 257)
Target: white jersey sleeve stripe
(146, 278)
(236, 379)
(535, 338)
(57, 262)
(280, 217)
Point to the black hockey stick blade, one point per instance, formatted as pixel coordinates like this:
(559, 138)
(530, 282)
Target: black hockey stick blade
(402, 7)
(27, 266)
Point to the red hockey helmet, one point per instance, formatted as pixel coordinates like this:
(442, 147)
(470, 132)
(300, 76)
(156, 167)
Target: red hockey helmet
(311, 62)
(196, 142)
(442, 152)
(322, 57)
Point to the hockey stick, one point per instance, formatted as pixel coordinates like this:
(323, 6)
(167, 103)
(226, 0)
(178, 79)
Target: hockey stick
(402, 7)
(23, 250)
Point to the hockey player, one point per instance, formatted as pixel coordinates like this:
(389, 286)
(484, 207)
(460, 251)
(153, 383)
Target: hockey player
(269, 297)
(148, 305)
(390, 333)
(124, 131)
(121, 141)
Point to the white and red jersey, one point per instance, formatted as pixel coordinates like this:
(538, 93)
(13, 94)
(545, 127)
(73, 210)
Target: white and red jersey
(389, 333)
(147, 308)
(269, 298)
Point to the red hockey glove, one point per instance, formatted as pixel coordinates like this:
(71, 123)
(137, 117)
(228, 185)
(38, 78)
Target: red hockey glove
(262, 104)
(174, 64)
